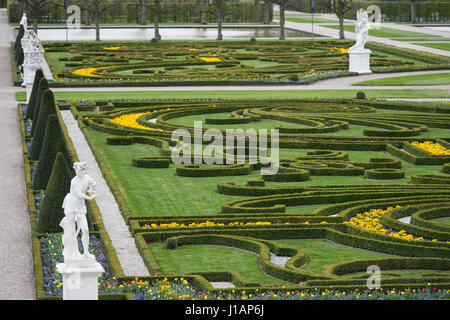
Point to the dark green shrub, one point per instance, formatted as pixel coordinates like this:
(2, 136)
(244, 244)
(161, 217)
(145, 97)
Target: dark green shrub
(446, 167)
(360, 95)
(294, 77)
(42, 86)
(31, 104)
(59, 185)
(53, 144)
(119, 141)
(171, 243)
(47, 108)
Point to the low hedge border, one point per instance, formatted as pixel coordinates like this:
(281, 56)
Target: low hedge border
(430, 179)
(385, 174)
(422, 218)
(446, 168)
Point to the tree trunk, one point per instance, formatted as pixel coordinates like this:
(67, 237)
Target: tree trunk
(219, 4)
(413, 12)
(35, 9)
(86, 13)
(204, 15)
(26, 9)
(266, 15)
(256, 11)
(341, 26)
(144, 12)
(97, 24)
(282, 19)
(157, 12)
(198, 11)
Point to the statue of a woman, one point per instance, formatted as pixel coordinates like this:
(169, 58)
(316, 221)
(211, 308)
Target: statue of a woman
(362, 30)
(24, 22)
(75, 214)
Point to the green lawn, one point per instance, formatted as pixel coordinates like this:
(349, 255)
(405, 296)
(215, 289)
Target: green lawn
(322, 253)
(441, 46)
(445, 220)
(421, 39)
(383, 32)
(307, 19)
(242, 94)
(195, 258)
(414, 80)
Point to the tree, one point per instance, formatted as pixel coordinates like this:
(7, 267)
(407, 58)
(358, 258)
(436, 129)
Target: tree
(266, 12)
(85, 13)
(42, 86)
(283, 4)
(204, 12)
(143, 12)
(156, 8)
(97, 7)
(198, 11)
(58, 187)
(256, 11)
(413, 11)
(31, 103)
(35, 6)
(54, 143)
(47, 108)
(340, 8)
(219, 16)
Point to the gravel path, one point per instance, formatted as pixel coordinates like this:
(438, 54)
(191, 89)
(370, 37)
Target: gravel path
(122, 241)
(16, 263)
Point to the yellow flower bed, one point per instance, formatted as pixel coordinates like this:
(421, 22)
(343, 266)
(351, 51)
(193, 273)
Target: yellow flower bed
(433, 148)
(338, 50)
(112, 48)
(210, 59)
(370, 220)
(88, 72)
(203, 224)
(130, 120)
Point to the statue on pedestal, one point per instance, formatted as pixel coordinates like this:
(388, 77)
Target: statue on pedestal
(361, 30)
(24, 22)
(75, 215)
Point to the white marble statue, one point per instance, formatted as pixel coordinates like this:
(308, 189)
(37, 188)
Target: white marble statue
(75, 214)
(24, 22)
(361, 30)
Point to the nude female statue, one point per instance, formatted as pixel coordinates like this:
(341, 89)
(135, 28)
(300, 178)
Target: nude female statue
(362, 30)
(75, 214)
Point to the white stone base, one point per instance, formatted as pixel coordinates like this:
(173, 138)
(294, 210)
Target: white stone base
(80, 283)
(360, 61)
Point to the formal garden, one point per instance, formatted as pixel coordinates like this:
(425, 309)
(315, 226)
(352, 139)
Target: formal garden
(359, 181)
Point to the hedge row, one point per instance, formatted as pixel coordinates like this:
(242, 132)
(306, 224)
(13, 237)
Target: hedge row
(385, 174)
(430, 179)
(214, 171)
(422, 218)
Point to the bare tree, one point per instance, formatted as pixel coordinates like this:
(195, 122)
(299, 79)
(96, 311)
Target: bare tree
(256, 11)
(283, 4)
(35, 6)
(219, 16)
(198, 11)
(156, 13)
(97, 7)
(340, 8)
(413, 11)
(85, 13)
(143, 12)
(266, 12)
(204, 12)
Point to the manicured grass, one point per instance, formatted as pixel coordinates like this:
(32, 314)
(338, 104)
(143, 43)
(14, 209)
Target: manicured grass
(441, 46)
(414, 80)
(242, 94)
(384, 32)
(195, 258)
(421, 39)
(307, 19)
(404, 273)
(445, 220)
(322, 253)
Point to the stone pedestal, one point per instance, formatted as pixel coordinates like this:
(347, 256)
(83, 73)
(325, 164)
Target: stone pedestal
(360, 61)
(80, 279)
(33, 59)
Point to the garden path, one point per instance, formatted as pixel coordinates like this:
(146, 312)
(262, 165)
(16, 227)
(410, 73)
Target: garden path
(16, 263)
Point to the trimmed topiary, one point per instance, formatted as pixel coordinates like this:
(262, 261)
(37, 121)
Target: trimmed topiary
(446, 168)
(59, 185)
(294, 77)
(360, 95)
(53, 144)
(42, 86)
(47, 108)
(31, 104)
(18, 43)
